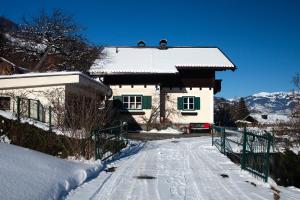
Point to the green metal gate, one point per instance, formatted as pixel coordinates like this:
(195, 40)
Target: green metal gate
(251, 149)
(256, 152)
(109, 141)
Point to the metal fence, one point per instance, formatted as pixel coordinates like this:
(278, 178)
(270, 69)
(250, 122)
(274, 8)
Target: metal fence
(251, 149)
(109, 140)
(32, 108)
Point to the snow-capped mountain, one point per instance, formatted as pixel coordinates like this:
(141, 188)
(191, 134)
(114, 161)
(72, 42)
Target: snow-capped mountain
(276, 106)
(271, 103)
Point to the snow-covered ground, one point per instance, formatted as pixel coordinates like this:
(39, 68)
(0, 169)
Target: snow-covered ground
(186, 168)
(27, 174)
(168, 130)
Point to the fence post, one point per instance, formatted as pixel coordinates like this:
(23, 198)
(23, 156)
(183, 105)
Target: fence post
(212, 136)
(18, 108)
(243, 165)
(38, 110)
(28, 108)
(267, 160)
(96, 145)
(50, 118)
(223, 141)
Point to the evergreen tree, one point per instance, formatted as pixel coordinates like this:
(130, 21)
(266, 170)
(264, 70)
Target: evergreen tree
(241, 110)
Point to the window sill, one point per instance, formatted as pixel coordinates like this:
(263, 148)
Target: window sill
(189, 112)
(133, 112)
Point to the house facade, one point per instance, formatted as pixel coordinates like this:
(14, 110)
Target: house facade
(44, 96)
(161, 83)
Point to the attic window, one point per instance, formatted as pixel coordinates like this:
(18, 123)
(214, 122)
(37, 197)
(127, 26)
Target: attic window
(163, 44)
(141, 43)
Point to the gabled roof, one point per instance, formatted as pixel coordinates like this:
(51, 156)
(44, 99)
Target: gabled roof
(154, 60)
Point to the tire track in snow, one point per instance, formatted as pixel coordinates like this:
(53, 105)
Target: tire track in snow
(109, 188)
(205, 181)
(187, 170)
(234, 186)
(130, 171)
(189, 177)
(212, 169)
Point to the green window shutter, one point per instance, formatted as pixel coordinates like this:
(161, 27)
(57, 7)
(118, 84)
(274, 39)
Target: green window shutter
(197, 103)
(179, 103)
(117, 101)
(147, 102)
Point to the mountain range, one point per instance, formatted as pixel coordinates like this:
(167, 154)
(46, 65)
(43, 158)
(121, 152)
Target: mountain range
(277, 105)
(270, 103)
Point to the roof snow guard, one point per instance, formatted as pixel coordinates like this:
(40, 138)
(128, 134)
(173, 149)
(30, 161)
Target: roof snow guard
(124, 60)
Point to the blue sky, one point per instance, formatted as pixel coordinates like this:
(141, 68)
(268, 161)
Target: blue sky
(262, 37)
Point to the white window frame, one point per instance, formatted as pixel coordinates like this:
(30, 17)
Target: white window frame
(132, 103)
(190, 103)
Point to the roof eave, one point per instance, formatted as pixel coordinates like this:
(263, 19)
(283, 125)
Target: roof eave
(217, 68)
(127, 73)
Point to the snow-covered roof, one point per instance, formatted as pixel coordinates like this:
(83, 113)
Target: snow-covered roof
(155, 60)
(271, 118)
(51, 78)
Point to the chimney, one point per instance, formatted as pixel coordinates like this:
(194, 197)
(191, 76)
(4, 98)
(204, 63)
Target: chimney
(141, 43)
(163, 44)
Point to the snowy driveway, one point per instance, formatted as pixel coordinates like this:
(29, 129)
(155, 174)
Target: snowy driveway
(188, 168)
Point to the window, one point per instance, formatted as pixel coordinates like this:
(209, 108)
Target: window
(4, 103)
(132, 102)
(188, 103)
(34, 109)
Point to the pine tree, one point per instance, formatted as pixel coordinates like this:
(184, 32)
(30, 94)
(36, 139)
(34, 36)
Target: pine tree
(241, 110)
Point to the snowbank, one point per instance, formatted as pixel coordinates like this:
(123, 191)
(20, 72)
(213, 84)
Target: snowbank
(169, 130)
(27, 174)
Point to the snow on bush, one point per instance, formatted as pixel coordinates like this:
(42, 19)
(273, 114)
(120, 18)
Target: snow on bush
(27, 174)
(4, 139)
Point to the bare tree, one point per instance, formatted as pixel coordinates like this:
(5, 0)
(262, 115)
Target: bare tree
(153, 120)
(54, 42)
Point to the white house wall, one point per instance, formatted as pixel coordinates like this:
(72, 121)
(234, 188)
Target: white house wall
(204, 115)
(150, 90)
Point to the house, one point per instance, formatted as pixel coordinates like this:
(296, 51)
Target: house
(246, 121)
(163, 83)
(42, 94)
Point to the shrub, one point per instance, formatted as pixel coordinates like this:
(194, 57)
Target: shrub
(29, 136)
